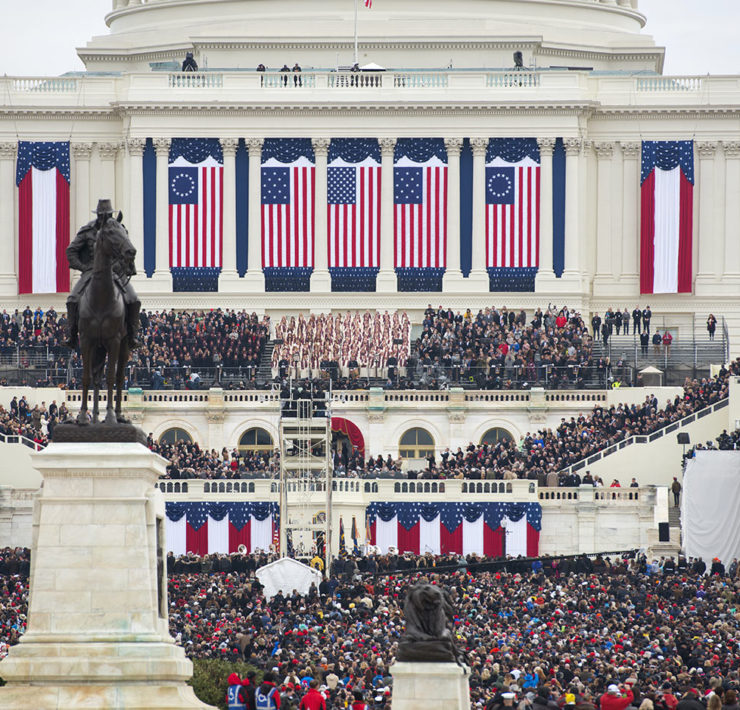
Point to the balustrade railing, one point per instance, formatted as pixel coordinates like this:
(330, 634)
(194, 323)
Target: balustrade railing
(196, 80)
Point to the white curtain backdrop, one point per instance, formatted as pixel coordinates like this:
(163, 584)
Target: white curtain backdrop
(218, 535)
(44, 263)
(516, 536)
(710, 504)
(473, 537)
(176, 536)
(429, 536)
(386, 534)
(261, 533)
(667, 219)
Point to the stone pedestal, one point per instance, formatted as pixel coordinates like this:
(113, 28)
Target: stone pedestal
(97, 632)
(430, 686)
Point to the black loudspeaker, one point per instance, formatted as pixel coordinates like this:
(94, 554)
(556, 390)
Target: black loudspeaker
(683, 438)
(664, 533)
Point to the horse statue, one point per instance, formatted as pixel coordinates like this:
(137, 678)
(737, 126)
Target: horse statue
(102, 323)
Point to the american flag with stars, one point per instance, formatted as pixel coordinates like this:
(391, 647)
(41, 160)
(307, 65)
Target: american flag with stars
(287, 209)
(196, 184)
(420, 219)
(354, 206)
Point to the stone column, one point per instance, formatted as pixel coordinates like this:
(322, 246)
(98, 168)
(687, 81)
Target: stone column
(229, 274)
(605, 192)
(107, 187)
(545, 273)
(320, 278)
(386, 280)
(162, 250)
(453, 278)
(731, 271)
(254, 279)
(478, 278)
(8, 233)
(84, 203)
(134, 220)
(630, 275)
(572, 208)
(705, 242)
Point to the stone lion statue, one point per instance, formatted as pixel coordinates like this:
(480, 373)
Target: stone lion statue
(428, 637)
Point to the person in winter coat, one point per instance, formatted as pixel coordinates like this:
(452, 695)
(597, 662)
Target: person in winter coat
(359, 702)
(690, 701)
(267, 697)
(236, 694)
(615, 699)
(313, 699)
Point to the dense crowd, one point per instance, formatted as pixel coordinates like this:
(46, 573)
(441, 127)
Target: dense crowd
(346, 340)
(554, 635)
(498, 348)
(35, 423)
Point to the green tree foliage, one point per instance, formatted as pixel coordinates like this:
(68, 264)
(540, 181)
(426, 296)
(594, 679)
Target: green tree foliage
(210, 677)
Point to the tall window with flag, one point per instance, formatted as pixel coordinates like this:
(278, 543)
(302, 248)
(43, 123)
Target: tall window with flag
(288, 186)
(420, 213)
(196, 181)
(667, 216)
(42, 178)
(354, 176)
(512, 213)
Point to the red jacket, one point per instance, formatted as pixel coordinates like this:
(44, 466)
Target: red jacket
(616, 702)
(312, 700)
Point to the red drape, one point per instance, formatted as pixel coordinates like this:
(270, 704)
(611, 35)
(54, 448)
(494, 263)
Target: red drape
(25, 234)
(685, 235)
(408, 540)
(451, 541)
(350, 430)
(493, 541)
(62, 233)
(533, 541)
(196, 541)
(647, 233)
(372, 533)
(239, 537)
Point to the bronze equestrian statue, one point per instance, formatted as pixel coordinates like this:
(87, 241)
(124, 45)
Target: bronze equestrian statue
(103, 309)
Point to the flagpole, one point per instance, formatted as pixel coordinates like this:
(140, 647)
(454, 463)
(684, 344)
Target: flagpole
(356, 52)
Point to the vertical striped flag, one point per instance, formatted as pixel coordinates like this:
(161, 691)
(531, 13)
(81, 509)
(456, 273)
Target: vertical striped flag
(354, 176)
(196, 180)
(667, 216)
(342, 540)
(42, 178)
(512, 203)
(368, 4)
(288, 186)
(420, 199)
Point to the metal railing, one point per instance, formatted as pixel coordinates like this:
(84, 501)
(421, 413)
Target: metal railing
(20, 439)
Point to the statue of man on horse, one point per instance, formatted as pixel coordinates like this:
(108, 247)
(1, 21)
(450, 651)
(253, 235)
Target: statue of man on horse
(80, 254)
(103, 309)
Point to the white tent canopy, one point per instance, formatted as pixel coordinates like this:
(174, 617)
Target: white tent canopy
(285, 575)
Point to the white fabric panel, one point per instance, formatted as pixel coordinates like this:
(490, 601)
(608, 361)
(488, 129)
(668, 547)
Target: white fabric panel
(516, 537)
(473, 537)
(176, 536)
(261, 533)
(386, 534)
(429, 536)
(286, 575)
(44, 263)
(667, 219)
(218, 535)
(710, 504)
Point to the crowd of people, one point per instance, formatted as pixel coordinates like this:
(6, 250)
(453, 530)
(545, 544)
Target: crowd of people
(542, 634)
(352, 341)
(35, 423)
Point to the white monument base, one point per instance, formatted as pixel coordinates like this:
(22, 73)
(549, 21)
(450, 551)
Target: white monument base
(430, 686)
(97, 632)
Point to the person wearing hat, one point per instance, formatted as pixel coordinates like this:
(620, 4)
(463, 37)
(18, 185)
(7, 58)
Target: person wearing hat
(236, 693)
(614, 699)
(80, 255)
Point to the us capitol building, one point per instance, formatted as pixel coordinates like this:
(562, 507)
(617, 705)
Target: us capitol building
(438, 87)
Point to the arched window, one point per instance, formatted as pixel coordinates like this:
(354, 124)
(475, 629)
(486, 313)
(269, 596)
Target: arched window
(493, 436)
(255, 439)
(416, 444)
(172, 436)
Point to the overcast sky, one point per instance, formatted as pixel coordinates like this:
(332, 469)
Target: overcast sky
(39, 37)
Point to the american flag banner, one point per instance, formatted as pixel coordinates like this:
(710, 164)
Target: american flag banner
(196, 180)
(513, 203)
(354, 176)
(42, 178)
(288, 187)
(207, 528)
(490, 529)
(420, 203)
(666, 216)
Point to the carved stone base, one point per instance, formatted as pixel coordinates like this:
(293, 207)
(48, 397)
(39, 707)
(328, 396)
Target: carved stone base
(74, 433)
(430, 686)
